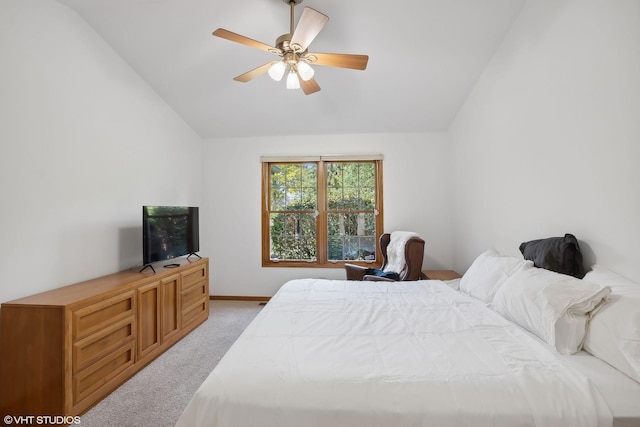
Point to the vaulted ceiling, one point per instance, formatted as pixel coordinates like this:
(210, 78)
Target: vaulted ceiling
(424, 58)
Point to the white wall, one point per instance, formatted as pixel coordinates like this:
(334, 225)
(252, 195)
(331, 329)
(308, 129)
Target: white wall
(547, 143)
(549, 140)
(416, 197)
(84, 144)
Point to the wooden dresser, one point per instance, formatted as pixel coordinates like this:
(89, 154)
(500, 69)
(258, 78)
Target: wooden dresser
(63, 350)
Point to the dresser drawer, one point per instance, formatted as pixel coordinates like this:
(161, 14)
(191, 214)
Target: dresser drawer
(194, 302)
(197, 311)
(99, 376)
(194, 276)
(193, 295)
(97, 316)
(92, 348)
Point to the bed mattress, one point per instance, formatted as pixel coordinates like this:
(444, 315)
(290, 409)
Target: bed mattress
(621, 393)
(337, 353)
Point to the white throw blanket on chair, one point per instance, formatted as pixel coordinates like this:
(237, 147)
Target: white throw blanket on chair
(395, 250)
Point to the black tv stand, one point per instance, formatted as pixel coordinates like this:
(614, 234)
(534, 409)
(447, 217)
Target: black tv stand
(145, 267)
(193, 253)
(172, 265)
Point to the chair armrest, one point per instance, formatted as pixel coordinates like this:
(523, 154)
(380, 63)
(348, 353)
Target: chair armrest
(355, 272)
(372, 278)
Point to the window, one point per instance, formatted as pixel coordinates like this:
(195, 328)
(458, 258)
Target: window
(321, 212)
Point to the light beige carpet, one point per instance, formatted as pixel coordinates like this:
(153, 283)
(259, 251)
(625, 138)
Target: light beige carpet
(157, 395)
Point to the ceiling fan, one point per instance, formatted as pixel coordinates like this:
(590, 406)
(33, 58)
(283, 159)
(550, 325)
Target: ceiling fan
(292, 49)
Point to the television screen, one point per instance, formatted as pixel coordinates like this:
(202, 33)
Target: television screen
(169, 232)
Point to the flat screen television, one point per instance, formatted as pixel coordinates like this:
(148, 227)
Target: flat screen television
(169, 232)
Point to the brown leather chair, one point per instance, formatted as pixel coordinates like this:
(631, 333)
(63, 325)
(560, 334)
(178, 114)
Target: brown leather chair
(413, 254)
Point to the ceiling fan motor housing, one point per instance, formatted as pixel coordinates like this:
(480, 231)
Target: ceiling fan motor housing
(283, 42)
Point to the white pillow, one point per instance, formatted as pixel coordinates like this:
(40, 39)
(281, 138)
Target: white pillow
(553, 306)
(488, 273)
(614, 332)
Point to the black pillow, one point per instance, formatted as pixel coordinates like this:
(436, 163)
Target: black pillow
(559, 254)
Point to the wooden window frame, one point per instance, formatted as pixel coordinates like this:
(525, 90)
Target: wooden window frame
(322, 260)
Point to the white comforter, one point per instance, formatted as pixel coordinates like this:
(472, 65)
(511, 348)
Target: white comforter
(336, 353)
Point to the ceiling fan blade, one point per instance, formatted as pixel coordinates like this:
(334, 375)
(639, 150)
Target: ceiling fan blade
(226, 34)
(342, 60)
(308, 86)
(310, 24)
(250, 75)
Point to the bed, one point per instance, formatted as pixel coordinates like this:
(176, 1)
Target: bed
(423, 353)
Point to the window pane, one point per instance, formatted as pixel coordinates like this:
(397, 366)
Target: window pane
(367, 198)
(309, 175)
(334, 197)
(293, 236)
(293, 186)
(351, 224)
(334, 175)
(351, 186)
(351, 248)
(351, 236)
(367, 175)
(350, 174)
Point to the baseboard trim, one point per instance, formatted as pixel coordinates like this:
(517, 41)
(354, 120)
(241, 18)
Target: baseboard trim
(238, 298)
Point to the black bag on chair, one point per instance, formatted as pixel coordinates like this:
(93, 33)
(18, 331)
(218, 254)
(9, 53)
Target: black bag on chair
(386, 274)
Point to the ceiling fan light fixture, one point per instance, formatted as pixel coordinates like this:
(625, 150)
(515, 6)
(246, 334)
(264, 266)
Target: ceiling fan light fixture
(292, 48)
(292, 80)
(277, 69)
(305, 70)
